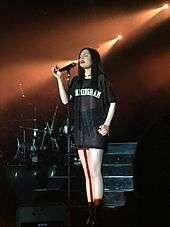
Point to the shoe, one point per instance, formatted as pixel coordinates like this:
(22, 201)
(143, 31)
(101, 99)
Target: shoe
(90, 218)
(98, 216)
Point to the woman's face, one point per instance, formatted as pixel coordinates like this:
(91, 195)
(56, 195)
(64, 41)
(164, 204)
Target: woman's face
(85, 59)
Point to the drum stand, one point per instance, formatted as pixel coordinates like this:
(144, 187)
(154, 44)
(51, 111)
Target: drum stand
(20, 156)
(25, 154)
(33, 148)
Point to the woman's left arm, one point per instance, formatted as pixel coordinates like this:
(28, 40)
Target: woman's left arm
(104, 129)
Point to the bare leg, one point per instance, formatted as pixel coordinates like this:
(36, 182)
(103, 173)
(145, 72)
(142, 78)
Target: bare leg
(91, 161)
(83, 155)
(95, 157)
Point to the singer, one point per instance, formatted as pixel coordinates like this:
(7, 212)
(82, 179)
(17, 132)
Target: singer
(93, 109)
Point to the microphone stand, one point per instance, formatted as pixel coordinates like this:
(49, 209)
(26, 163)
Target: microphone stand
(68, 153)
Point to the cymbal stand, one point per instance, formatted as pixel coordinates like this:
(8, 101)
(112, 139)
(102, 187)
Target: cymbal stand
(23, 158)
(44, 135)
(51, 128)
(33, 148)
(20, 155)
(22, 146)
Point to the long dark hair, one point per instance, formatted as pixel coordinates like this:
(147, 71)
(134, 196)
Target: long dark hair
(96, 66)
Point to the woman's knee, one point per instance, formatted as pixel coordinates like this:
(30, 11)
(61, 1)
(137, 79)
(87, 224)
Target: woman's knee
(95, 158)
(96, 172)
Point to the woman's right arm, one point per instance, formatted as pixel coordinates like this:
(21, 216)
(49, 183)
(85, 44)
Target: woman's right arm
(63, 95)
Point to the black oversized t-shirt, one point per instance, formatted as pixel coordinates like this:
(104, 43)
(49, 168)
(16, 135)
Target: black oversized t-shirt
(89, 110)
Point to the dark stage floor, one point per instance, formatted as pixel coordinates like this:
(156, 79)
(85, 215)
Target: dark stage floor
(118, 217)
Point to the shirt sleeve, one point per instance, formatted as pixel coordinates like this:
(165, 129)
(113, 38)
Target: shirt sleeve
(72, 88)
(109, 93)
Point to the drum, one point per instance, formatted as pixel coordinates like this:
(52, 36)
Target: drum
(9, 144)
(63, 129)
(63, 135)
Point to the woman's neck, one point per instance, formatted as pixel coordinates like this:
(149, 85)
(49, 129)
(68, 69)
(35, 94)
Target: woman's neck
(87, 72)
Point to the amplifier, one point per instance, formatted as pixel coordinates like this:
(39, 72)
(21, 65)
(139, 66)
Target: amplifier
(41, 216)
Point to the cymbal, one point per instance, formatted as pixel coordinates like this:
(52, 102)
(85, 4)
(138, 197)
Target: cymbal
(33, 129)
(23, 120)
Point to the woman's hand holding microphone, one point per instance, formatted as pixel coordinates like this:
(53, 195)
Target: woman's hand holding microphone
(55, 72)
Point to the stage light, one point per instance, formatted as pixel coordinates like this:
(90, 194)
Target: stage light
(106, 46)
(165, 6)
(119, 37)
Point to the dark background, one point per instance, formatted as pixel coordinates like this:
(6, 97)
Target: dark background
(36, 35)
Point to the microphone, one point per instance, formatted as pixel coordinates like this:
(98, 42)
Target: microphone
(67, 67)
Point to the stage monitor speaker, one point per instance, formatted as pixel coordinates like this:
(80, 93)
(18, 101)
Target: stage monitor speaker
(41, 216)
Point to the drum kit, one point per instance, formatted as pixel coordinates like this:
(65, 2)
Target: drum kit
(22, 142)
(30, 145)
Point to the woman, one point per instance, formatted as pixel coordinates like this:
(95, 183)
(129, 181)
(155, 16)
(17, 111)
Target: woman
(93, 110)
